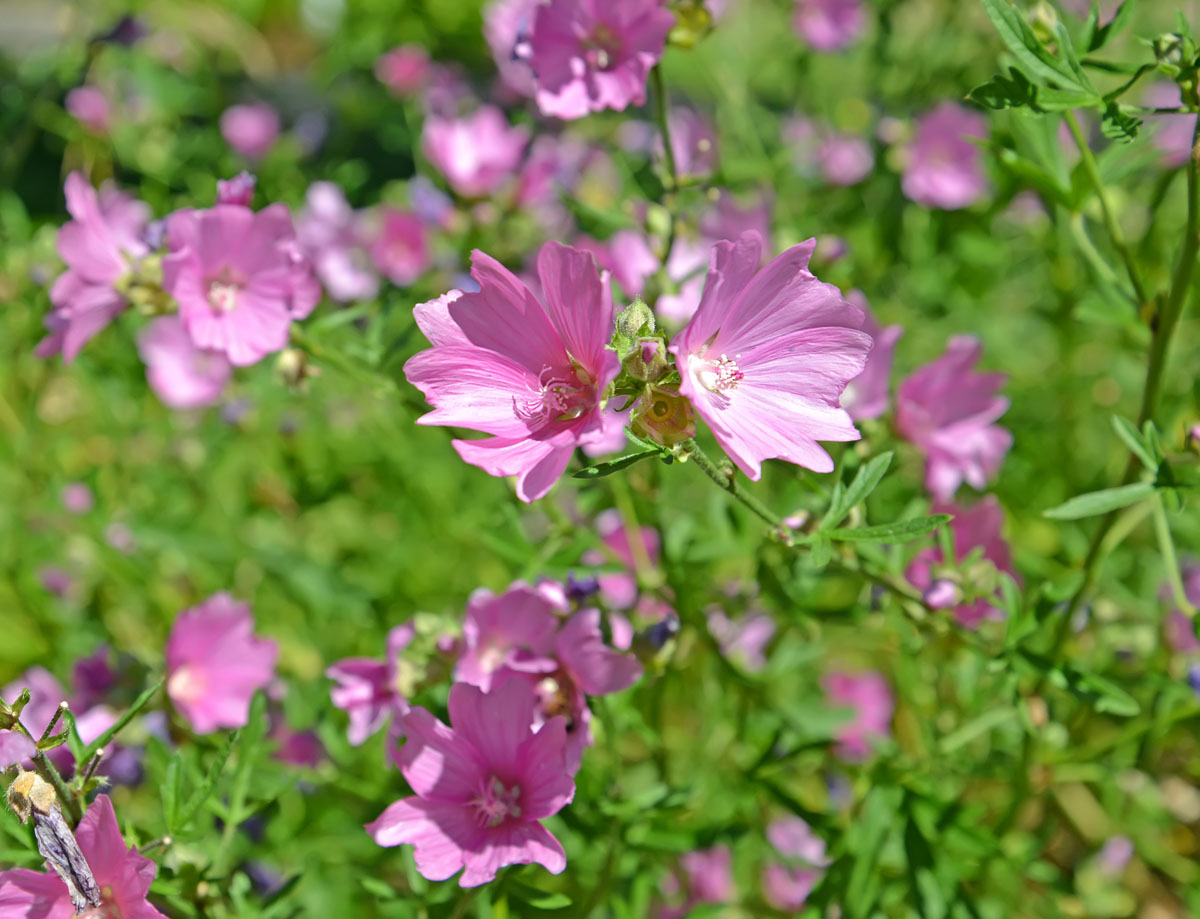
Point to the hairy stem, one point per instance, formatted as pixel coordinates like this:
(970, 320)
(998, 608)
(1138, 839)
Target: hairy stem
(727, 480)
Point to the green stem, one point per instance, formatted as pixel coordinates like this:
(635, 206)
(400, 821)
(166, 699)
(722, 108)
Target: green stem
(728, 481)
(43, 767)
(1167, 547)
(1110, 220)
(672, 186)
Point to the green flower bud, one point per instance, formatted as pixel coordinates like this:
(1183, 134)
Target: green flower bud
(647, 360)
(663, 416)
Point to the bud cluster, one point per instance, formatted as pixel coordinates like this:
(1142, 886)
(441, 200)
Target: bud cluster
(657, 410)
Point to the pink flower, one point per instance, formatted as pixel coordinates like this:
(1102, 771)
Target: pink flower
(945, 170)
(528, 374)
(14, 749)
(400, 250)
(215, 664)
(845, 159)
(89, 106)
(793, 838)
(239, 278)
(613, 439)
(403, 70)
(620, 589)
(98, 244)
(45, 694)
(693, 142)
(829, 25)
(870, 697)
(947, 411)
(476, 153)
(77, 498)
(331, 235)
(625, 254)
(974, 528)
(708, 877)
(238, 190)
(767, 355)
(590, 55)
(867, 395)
(514, 630)
(506, 26)
(787, 888)
(122, 874)
(181, 375)
(482, 787)
(250, 129)
(369, 690)
(744, 639)
(1181, 633)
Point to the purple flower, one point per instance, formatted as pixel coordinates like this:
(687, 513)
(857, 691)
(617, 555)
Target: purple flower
(829, 25)
(239, 278)
(845, 159)
(506, 26)
(77, 498)
(793, 838)
(527, 374)
(403, 70)
(620, 589)
(15, 749)
(482, 786)
(870, 697)
(181, 375)
(590, 55)
(708, 876)
(514, 631)
(693, 142)
(215, 664)
(974, 528)
(331, 235)
(250, 129)
(400, 250)
(98, 245)
(767, 355)
(238, 190)
(369, 690)
(866, 396)
(476, 153)
(947, 411)
(45, 695)
(744, 638)
(625, 254)
(89, 106)
(786, 887)
(945, 170)
(122, 875)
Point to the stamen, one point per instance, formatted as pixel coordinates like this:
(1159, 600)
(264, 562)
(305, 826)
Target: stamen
(721, 375)
(222, 297)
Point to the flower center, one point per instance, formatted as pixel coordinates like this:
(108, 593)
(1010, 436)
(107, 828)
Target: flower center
(721, 375)
(107, 909)
(222, 296)
(601, 48)
(495, 803)
(186, 685)
(557, 399)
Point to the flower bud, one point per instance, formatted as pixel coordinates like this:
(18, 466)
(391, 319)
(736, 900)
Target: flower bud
(647, 360)
(1192, 439)
(239, 190)
(635, 321)
(1044, 22)
(942, 594)
(293, 367)
(663, 416)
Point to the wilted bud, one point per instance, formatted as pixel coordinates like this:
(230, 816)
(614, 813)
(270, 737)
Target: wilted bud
(663, 416)
(30, 793)
(647, 360)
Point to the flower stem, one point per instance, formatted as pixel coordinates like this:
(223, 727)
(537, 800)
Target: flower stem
(1110, 220)
(672, 185)
(727, 479)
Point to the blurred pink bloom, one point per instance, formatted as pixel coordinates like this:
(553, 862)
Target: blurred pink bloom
(845, 159)
(122, 875)
(45, 694)
(619, 589)
(482, 786)
(767, 355)
(793, 838)
(506, 26)
(476, 153)
(403, 70)
(238, 190)
(787, 888)
(708, 877)
(693, 142)
(625, 254)
(55, 580)
(368, 690)
(1114, 856)
(297, 748)
(829, 25)
(331, 235)
(528, 374)
(250, 129)
(89, 106)
(98, 245)
(613, 438)
(866, 396)
(400, 250)
(1173, 133)
(215, 664)
(14, 749)
(1181, 633)
(947, 411)
(77, 498)
(590, 55)
(181, 375)
(945, 169)
(239, 278)
(974, 528)
(744, 639)
(514, 630)
(869, 695)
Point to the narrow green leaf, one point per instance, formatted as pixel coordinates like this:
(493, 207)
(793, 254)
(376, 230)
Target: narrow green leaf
(202, 793)
(170, 791)
(1100, 502)
(820, 550)
(865, 481)
(986, 722)
(900, 531)
(615, 465)
(380, 890)
(1018, 37)
(1118, 125)
(138, 704)
(1067, 49)
(1106, 33)
(1128, 432)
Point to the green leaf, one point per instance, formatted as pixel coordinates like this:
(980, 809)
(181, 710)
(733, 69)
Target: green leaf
(1067, 49)
(138, 704)
(865, 481)
(1101, 693)
(201, 795)
(1133, 440)
(380, 890)
(1117, 125)
(1000, 92)
(1018, 37)
(615, 465)
(1100, 502)
(1106, 33)
(901, 531)
(988, 721)
(820, 550)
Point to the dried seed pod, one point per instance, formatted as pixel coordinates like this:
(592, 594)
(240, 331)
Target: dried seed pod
(31, 796)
